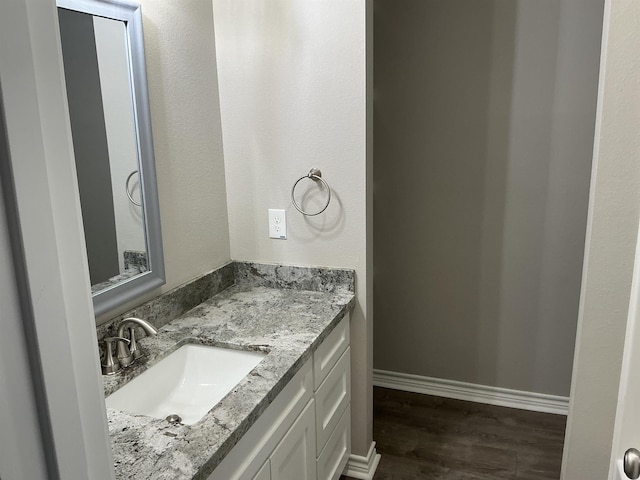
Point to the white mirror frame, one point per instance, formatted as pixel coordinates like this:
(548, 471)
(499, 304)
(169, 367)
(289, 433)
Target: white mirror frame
(131, 288)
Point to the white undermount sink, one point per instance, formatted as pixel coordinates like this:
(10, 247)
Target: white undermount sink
(188, 383)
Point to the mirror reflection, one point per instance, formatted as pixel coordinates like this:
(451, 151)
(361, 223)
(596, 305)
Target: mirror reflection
(104, 65)
(104, 139)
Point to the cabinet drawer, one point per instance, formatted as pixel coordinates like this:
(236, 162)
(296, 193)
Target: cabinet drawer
(253, 449)
(335, 455)
(332, 398)
(329, 351)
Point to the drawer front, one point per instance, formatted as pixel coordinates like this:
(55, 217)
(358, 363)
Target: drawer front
(330, 351)
(335, 455)
(332, 398)
(253, 449)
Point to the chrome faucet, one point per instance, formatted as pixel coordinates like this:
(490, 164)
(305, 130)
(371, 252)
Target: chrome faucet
(127, 354)
(128, 349)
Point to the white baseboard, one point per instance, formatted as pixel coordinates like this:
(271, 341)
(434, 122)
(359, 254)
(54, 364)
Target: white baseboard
(504, 397)
(363, 468)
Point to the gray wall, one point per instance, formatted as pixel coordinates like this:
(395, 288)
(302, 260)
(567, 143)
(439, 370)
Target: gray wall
(483, 130)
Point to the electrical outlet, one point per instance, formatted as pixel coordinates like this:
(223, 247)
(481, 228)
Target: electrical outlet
(277, 224)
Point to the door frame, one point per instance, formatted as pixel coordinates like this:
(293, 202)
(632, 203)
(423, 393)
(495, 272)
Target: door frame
(627, 412)
(46, 213)
(612, 234)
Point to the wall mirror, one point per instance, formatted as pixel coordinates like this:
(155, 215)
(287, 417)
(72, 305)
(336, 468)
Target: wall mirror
(104, 65)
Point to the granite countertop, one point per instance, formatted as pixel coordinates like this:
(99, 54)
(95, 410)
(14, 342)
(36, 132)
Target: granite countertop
(289, 324)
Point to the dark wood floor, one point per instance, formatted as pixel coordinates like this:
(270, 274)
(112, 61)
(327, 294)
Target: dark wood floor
(425, 437)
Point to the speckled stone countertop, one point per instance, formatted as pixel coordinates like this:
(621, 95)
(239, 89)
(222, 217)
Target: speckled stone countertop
(288, 323)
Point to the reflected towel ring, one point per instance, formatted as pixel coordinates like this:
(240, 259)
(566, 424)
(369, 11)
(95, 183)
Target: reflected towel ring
(126, 187)
(316, 175)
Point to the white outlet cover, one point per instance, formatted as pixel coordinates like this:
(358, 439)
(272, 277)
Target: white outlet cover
(277, 223)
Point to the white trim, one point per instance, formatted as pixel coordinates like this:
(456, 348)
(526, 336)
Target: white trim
(57, 291)
(363, 468)
(504, 397)
(25, 436)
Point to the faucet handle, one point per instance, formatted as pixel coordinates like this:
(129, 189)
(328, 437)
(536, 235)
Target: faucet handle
(133, 346)
(111, 365)
(125, 356)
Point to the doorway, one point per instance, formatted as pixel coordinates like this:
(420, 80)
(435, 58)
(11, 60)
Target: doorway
(484, 122)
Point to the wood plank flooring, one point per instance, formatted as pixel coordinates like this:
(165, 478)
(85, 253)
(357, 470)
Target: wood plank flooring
(426, 437)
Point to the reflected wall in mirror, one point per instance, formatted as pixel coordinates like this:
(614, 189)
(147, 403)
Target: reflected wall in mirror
(103, 56)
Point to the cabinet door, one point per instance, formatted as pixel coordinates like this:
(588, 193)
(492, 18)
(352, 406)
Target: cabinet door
(248, 456)
(264, 473)
(295, 456)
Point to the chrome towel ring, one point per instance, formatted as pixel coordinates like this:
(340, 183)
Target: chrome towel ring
(126, 187)
(316, 175)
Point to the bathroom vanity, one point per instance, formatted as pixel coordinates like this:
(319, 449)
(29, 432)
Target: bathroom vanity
(305, 432)
(289, 418)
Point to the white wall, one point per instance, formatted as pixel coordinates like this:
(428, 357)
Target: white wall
(185, 119)
(484, 120)
(614, 210)
(293, 96)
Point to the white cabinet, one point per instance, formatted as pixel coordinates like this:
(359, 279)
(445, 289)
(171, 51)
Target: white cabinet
(264, 473)
(332, 393)
(254, 448)
(334, 455)
(329, 351)
(305, 434)
(332, 398)
(295, 456)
